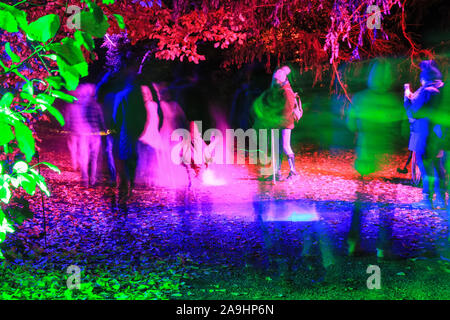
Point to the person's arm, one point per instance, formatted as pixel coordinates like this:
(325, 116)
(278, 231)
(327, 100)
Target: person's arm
(352, 117)
(418, 107)
(299, 104)
(117, 115)
(290, 98)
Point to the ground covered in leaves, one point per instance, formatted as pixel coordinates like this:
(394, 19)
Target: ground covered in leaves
(246, 239)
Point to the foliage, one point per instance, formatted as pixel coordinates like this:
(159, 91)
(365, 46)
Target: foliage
(97, 283)
(39, 59)
(313, 34)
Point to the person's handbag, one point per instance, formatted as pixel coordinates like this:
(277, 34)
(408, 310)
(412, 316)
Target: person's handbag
(298, 111)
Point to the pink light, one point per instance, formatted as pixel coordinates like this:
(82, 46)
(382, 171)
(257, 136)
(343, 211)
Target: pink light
(210, 179)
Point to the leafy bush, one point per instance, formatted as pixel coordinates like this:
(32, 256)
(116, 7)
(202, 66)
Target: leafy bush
(43, 44)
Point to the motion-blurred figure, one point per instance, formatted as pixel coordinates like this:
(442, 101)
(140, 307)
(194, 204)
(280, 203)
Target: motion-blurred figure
(411, 146)
(442, 117)
(240, 114)
(85, 122)
(106, 93)
(163, 117)
(422, 106)
(376, 118)
(129, 118)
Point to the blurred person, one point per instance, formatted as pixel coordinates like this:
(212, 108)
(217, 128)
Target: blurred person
(441, 117)
(129, 118)
(107, 89)
(85, 122)
(193, 152)
(411, 144)
(240, 114)
(150, 142)
(163, 117)
(376, 118)
(422, 105)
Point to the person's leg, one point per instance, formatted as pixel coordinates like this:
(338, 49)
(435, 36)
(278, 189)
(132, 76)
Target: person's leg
(73, 144)
(280, 155)
(123, 180)
(286, 134)
(95, 143)
(439, 182)
(84, 159)
(424, 167)
(131, 165)
(447, 184)
(131, 171)
(405, 167)
(110, 158)
(286, 139)
(354, 234)
(119, 156)
(409, 159)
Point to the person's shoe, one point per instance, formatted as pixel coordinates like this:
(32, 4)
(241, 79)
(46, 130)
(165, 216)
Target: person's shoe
(439, 203)
(354, 248)
(278, 177)
(196, 168)
(291, 161)
(386, 255)
(291, 175)
(403, 171)
(425, 203)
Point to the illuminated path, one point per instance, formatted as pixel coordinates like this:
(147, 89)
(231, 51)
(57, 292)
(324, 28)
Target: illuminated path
(244, 219)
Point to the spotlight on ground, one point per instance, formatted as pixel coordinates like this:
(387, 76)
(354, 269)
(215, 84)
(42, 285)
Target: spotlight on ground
(210, 179)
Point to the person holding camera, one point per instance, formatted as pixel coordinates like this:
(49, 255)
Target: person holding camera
(422, 106)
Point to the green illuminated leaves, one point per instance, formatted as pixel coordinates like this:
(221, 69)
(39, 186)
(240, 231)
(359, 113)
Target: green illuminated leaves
(50, 166)
(11, 18)
(14, 57)
(23, 178)
(84, 39)
(94, 23)
(7, 21)
(5, 191)
(55, 82)
(72, 74)
(63, 96)
(25, 140)
(58, 116)
(68, 50)
(43, 186)
(6, 100)
(45, 99)
(5, 226)
(20, 167)
(28, 88)
(120, 21)
(70, 60)
(44, 28)
(28, 183)
(6, 134)
(28, 98)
